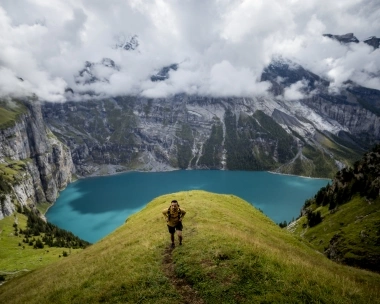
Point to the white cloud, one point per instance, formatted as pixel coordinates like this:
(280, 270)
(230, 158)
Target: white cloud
(296, 91)
(221, 46)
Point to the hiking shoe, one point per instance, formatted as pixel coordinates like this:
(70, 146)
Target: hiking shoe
(172, 245)
(180, 244)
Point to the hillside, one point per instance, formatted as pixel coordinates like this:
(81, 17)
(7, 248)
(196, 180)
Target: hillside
(25, 242)
(232, 253)
(343, 219)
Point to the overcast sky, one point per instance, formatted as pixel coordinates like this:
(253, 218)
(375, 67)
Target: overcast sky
(221, 46)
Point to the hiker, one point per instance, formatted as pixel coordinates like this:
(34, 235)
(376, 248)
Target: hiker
(174, 215)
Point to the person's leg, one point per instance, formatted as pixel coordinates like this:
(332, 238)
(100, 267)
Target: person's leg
(179, 232)
(179, 228)
(171, 231)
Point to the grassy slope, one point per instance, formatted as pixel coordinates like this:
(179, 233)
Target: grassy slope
(15, 255)
(356, 222)
(232, 253)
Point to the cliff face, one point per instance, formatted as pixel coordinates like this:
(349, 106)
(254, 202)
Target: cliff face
(157, 135)
(35, 164)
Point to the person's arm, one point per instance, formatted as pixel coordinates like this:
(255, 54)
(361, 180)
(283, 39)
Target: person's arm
(183, 212)
(165, 213)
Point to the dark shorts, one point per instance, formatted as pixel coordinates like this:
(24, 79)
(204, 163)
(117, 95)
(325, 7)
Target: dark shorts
(177, 227)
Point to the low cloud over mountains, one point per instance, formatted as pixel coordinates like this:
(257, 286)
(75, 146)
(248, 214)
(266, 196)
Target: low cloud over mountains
(221, 47)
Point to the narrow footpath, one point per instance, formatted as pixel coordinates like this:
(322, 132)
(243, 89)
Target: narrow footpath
(188, 294)
(184, 288)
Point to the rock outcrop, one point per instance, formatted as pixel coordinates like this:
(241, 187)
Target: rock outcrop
(36, 162)
(373, 41)
(346, 38)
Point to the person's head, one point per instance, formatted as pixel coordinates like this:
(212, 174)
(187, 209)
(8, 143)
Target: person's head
(174, 205)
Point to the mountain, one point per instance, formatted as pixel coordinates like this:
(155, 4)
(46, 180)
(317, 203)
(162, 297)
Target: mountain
(350, 38)
(163, 74)
(127, 43)
(343, 219)
(373, 41)
(346, 38)
(96, 71)
(232, 253)
(312, 136)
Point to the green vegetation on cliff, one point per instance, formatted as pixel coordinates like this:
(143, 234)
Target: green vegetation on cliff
(232, 253)
(319, 159)
(11, 173)
(212, 148)
(184, 144)
(106, 124)
(252, 141)
(9, 112)
(343, 219)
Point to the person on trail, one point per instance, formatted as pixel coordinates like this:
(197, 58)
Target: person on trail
(174, 215)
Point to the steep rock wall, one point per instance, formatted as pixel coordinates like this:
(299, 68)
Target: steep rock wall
(44, 163)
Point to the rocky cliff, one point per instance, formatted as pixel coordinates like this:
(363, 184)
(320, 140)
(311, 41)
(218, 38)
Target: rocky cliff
(34, 164)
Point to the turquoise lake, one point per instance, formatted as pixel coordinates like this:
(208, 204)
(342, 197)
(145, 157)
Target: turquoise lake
(93, 207)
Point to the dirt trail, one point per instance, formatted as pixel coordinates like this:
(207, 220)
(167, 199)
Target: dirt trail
(188, 294)
(13, 272)
(184, 288)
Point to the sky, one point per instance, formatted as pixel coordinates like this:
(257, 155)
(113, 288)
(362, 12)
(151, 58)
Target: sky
(221, 46)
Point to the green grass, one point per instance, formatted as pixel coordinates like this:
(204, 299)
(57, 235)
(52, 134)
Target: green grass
(15, 255)
(11, 172)
(357, 223)
(345, 154)
(323, 164)
(7, 118)
(9, 113)
(43, 207)
(232, 253)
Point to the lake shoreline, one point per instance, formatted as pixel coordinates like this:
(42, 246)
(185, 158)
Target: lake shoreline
(111, 170)
(287, 174)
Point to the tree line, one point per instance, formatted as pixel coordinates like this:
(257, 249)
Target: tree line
(51, 235)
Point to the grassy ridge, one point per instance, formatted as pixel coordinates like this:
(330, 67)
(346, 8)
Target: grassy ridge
(232, 253)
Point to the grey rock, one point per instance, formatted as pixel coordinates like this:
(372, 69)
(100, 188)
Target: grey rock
(346, 38)
(373, 41)
(48, 163)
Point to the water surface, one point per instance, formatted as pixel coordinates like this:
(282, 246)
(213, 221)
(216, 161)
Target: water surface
(92, 208)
